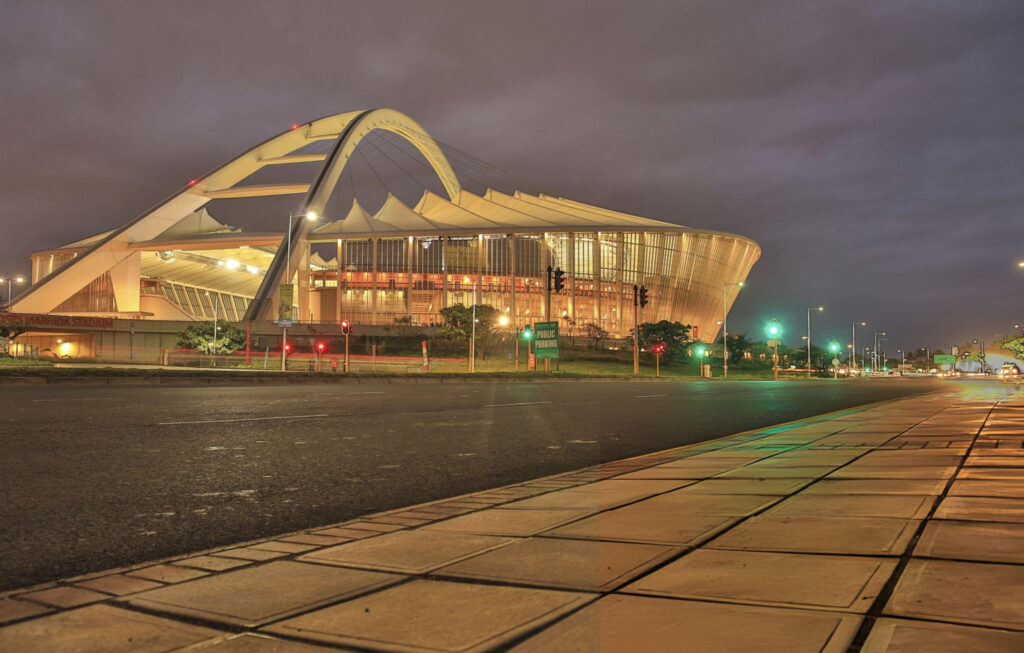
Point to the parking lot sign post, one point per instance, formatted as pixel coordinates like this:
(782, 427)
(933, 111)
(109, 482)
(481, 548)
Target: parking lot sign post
(545, 344)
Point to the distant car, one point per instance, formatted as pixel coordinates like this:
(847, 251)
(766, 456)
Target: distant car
(1009, 369)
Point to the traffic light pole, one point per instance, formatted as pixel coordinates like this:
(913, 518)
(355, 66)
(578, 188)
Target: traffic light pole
(636, 334)
(547, 315)
(284, 349)
(346, 352)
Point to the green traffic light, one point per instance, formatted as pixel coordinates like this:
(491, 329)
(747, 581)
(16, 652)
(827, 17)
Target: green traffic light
(527, 334)
(885, 369)
(700, 352)
(834, 347)
(773, 328)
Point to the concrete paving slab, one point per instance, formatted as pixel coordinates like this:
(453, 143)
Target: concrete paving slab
(994, 460)
(411, 552)
(260, 643)
(904, 635)
(689, 503)
(962, 592)
(1007, 489)
(877, 486)
(502, 521)
(981, 509)
(167, 573)
(64, 597)
(101, 628)
(564, 564)
(253, 555)
(776, 472)
(254, 596)
(903, 458)
(992, 474)
(321, 540)
(118, 584)
(966, 540)
(897, 506)
(281, 546)
(762, 486)
(434, 615)
(839, 535)
(854, 470)
(212, 563)
(13, 610)
(646, 524)
(681, 473)
(846, 583)
(598, 496)
(656, 625)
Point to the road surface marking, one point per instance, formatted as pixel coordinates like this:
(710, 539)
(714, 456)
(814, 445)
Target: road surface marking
(646, 396)
(245, 419)
(521, 403)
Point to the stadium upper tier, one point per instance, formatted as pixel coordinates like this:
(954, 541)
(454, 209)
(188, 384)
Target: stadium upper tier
(401, 264)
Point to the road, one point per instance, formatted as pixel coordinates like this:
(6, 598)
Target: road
(94, 477)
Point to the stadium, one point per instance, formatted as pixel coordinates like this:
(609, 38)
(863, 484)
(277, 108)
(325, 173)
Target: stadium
(396, 267)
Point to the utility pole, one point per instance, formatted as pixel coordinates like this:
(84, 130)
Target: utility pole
(547, 314)
(472, 337)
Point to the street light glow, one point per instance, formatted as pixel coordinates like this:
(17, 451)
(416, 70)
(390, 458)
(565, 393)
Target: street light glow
(503, 320)
(311, 215)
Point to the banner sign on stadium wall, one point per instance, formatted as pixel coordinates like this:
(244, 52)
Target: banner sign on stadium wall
(57, 321)
(286, 297)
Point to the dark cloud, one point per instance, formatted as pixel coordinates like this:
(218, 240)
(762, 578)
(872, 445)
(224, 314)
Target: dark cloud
(874, 149)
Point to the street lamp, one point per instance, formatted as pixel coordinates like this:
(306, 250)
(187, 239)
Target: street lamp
(774, 330)
(874, 352)
(725, 327)
(809, 309)
(311, 216)
(18, 279)
(853, 331)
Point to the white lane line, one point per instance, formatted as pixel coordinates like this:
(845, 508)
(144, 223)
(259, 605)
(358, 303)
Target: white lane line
(245, 419)
(646, 396)
(374, 392)
(521, 403)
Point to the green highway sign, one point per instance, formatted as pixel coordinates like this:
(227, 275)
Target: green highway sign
(945, 359)
(545, 339)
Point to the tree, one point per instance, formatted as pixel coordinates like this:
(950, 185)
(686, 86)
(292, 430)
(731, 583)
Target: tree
(10, 331)
(674, 335)
(458, 324)
(595, 333)
(1014, 345)
(199, 336)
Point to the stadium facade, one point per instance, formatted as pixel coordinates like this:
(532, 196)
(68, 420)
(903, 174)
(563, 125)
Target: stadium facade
(399, 266)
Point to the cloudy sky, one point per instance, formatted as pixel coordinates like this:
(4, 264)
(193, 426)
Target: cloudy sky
(874, 149)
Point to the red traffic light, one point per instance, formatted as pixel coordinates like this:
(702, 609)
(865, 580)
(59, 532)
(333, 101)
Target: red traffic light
(658, 348)
(320, 347)
(287, 347)
(345, 327)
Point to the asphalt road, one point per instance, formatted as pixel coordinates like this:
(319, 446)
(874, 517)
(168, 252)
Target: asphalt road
(93, 477)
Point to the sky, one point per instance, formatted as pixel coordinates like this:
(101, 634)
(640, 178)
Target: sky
(874, 149)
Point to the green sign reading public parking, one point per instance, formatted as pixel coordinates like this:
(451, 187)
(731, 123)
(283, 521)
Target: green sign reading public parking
(945, 359)
(545, 339)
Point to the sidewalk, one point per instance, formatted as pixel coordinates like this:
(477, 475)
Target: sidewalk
(895, 527)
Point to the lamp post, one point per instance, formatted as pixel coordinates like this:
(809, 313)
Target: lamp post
(853, 331)
(874, 352)
(809, 309)
(834, 347)
(725, 327)
(311, 216)
(18, 279)
(774, 330)
(503, 322)
(903, 360)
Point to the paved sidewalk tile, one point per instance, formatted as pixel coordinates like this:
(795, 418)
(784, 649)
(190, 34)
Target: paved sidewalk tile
(13, 609)
(846, 583)
(877, 486)
(963, 592)
(840, 535)
(434, 615)
(64, 597)
(655, 625)
(764, 486)
(412, 552)
(680, 473)
(898, 506)
(904, 635)
(502, 521)
(257, 595)
(1007, 489)
(992, 474)
(167, 573)
(246, 553)
(965, 540)
(981, 509)
(212, 563)
(598, 496)
(892, 472)
(118, 585)
(260, 643)
(101, 628)
(564, 564)
(776, 472)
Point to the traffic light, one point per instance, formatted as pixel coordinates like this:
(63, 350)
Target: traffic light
(658, 348)
(559, 280)
(345, 328)
(287, 347)
(834, 347)
(700, 352)
(527, 334)
(774, 329)
(643, 296)
(320, 347)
